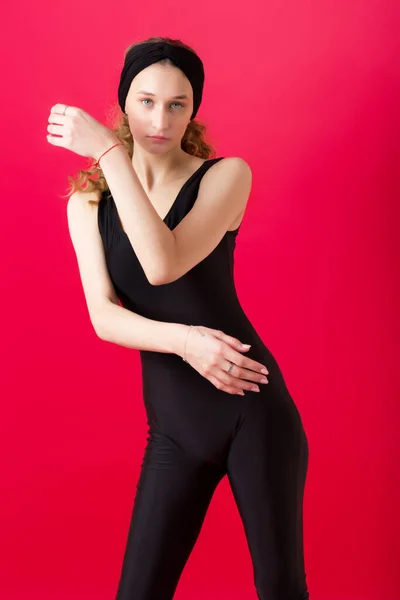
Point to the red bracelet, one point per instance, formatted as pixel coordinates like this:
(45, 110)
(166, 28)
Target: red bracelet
(96, 164)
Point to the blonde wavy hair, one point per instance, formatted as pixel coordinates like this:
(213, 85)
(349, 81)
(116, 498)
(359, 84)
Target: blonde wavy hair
(193, 141)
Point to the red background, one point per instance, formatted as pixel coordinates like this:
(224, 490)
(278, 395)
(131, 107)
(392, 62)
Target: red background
(308, 94)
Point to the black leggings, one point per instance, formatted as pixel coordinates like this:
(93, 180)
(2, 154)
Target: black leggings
(195, 439)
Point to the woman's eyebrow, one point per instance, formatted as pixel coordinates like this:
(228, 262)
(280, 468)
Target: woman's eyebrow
(181, 96)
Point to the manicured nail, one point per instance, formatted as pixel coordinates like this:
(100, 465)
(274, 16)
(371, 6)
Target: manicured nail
(246, 345)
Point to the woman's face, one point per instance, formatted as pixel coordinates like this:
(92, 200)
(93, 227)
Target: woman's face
(154, 110)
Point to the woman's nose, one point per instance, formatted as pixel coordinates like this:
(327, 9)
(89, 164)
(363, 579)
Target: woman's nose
(160, 120)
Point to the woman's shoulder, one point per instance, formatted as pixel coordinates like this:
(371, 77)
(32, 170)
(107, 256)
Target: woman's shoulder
(231, 166)
(231, 163)
(235, 160)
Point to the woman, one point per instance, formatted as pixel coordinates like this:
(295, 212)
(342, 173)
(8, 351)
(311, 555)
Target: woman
(156, 232)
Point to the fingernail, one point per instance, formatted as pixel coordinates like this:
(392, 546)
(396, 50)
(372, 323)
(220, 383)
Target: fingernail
(265, 371)
(246, 345)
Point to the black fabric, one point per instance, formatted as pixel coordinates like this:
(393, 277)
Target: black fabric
(197, 434)
(143, 55)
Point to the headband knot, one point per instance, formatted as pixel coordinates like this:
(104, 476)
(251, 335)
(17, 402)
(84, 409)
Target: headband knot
(145, 54)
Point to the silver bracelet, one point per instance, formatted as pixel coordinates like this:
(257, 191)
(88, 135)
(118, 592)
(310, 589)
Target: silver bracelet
(184, 350)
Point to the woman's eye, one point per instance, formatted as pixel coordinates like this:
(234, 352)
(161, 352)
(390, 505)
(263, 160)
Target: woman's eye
(149, 99)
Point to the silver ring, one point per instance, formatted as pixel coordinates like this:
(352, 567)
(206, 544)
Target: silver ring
(230, 368)
(66, 106)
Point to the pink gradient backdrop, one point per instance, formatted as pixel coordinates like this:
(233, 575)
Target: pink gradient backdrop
(308, 94)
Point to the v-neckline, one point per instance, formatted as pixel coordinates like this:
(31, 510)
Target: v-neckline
(172, 205)
(182, 188)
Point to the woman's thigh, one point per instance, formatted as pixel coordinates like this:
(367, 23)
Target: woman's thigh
(267, 466)
(173, 494)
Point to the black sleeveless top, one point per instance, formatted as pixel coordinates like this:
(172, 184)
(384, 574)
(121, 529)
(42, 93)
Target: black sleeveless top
(205, 295)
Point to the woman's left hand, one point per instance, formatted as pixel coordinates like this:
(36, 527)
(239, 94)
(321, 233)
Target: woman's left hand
(79, 132)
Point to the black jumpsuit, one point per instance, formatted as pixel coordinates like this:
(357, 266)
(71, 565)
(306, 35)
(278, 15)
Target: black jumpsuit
(197, 434)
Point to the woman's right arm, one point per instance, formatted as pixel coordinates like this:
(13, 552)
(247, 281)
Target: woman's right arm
(112, 322)
(209, 351)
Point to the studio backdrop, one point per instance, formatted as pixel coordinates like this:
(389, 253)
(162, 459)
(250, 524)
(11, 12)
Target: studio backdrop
(308, 95)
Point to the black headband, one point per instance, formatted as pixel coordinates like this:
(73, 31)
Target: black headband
(142, 55)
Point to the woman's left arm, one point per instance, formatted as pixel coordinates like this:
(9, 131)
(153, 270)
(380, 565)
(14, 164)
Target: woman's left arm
(151, 239)
(167, 255)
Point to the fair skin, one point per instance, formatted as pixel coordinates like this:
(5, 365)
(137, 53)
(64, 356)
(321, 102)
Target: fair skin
(143, 190)
(160, 164)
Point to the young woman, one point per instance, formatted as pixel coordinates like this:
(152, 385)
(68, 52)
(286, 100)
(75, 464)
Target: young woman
(154, 237)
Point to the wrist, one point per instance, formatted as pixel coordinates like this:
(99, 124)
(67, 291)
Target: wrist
(178, 339)
(108, 143)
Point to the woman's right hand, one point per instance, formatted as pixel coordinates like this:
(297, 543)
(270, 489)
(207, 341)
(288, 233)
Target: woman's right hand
(211, 351)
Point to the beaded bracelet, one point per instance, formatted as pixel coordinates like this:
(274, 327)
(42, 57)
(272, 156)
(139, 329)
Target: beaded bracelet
(184, 351)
